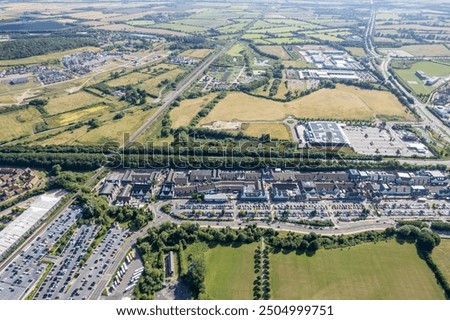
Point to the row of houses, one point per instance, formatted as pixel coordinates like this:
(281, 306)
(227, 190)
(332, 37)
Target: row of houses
(14, 181)
(217, 185)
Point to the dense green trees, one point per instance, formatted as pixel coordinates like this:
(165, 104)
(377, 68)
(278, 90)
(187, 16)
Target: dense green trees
(195, 276)
(23, 48)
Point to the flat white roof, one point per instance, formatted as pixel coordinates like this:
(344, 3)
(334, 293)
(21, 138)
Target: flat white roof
(23, 223)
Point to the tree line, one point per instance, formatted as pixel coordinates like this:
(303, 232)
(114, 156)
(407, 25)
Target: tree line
(24, 48)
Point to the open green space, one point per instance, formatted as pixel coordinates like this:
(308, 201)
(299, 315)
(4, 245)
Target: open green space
(368, 271)
(229, 272)
(430, 68)
(441, 256)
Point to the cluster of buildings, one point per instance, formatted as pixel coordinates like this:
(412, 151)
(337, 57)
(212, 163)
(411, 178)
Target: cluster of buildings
(331, 59)
(122, 188)
(43, 74)
(79, 63)
(17, 181)
(222, 186)
(184, 61)
(442, 104)
(327, 74)
(50, 76)
(429, 81)
(84, 62)
(442, 97)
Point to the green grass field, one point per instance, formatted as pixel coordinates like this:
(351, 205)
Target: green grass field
(69, 102)
(230, 274)
(131, 78)
(441, 256)
(431, 69)
(152, 85)
(368, 271)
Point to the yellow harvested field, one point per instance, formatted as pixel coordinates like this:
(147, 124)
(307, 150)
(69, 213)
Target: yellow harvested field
(276, 51)
(196, 53)
(131, 78)
(182, 115)
(75, 116)
(18, 123)
(276, 130)
(282, 90)
(71, 102)
(344, 102)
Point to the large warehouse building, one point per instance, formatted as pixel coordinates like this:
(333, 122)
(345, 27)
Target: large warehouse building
(26, 222)
(325, 134)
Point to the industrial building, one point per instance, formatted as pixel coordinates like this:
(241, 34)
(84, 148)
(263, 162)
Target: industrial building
(325, 134)
(24, 224)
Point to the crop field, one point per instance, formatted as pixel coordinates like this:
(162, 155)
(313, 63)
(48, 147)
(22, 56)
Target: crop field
(274, 30)
(233, 28)
(180, 27)
(441, 256)
(276, 51)
(229, 272)
(182, 115)
(287, 40)
(369, 271)
(151, 85)
(429, 50)
(128, 28)
(344, 102)
(431, 69)
(276, 130)
(141, 23)
(64, 119)
(196, 53)
(71, 102)
(44, 58)
(296, 23)
(18, 123)
(131, 78)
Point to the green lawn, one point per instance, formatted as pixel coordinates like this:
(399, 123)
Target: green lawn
(441, 256)
(368, 271)
(431, 69)
(230, 272)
